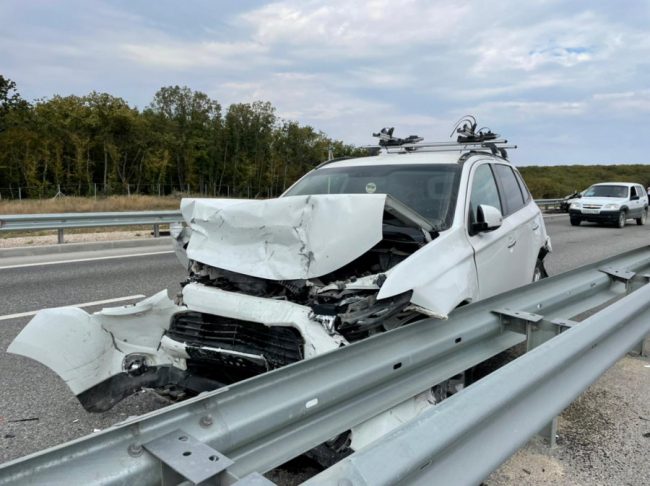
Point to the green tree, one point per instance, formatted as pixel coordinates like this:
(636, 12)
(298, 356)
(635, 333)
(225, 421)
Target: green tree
(191, 122)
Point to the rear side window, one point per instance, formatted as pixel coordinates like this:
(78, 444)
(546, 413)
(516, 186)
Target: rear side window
(523, 187)
(513, 198)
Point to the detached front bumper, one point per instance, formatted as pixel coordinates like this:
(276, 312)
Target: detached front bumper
(105, 356)
(607, 216)
(216, 338)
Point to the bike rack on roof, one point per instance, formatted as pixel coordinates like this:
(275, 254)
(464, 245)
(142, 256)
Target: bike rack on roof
(469, 139)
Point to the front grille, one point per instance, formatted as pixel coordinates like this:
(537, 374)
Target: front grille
(278, 345)
(592, 206)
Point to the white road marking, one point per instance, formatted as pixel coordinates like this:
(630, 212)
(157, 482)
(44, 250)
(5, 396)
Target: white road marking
(6, 267)
(85, 304)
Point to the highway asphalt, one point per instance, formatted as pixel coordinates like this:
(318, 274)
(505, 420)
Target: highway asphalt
(36, 408)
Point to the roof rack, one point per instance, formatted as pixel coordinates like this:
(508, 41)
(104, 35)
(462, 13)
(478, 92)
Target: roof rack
(469, 139)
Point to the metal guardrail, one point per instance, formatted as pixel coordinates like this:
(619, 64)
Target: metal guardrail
(549, 203)
(63, 221)
(526, 392)
(262, 422)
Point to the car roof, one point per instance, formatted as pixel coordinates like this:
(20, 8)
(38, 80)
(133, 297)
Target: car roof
(626, 184)
(423, 157)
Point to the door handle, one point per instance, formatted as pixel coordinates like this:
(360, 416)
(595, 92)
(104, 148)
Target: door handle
(535, 227)
(512, 244)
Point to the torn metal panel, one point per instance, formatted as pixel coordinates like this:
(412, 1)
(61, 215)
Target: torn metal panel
(87, 349)
(290, 238)
(445, 284)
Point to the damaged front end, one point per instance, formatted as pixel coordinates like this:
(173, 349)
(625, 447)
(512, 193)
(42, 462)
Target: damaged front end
(269, 283)
(288, 309)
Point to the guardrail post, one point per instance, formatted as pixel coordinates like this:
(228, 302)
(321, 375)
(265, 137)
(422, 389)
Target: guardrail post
(59, 236)
(538, 335)
(537, 331)
(156, 230)
(642, 348)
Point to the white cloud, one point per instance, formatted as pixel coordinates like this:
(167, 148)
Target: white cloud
(629, 103)
(186, 55)
(353, 29)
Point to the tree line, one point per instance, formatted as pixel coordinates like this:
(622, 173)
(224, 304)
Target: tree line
(548, 182)
(182, 141)
(185, 141)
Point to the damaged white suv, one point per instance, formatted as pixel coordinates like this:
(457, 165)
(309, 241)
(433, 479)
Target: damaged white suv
(356, 247)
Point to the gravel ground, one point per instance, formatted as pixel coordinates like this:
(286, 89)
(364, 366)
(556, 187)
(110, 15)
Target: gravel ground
(603, 437)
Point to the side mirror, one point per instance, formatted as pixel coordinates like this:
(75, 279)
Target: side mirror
(579, 195)
(488, 218)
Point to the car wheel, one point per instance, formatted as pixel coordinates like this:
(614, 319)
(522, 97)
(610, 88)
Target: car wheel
(644, 215)
(539, 272)
(575, 221)
(622, 216)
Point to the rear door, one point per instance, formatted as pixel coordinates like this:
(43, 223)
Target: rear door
(636, 202)
(524, 218)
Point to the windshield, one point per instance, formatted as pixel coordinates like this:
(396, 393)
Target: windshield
(606, 191)
(429, 189)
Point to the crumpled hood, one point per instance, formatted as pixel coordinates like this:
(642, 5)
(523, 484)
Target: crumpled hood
(288, 238)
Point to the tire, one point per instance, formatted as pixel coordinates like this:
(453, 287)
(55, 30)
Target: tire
(540, 272)
(575, 221)
(622, 216)
(644, 216)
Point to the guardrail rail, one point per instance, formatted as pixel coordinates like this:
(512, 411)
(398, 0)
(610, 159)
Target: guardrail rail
(547, 204)
(63, 221)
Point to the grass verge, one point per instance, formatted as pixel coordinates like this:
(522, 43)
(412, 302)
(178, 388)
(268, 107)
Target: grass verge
(87, 204)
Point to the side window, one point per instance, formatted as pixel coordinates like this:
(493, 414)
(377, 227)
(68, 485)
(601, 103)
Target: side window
(512, 197)
(523, 187)
(634, 192)
(484, 191)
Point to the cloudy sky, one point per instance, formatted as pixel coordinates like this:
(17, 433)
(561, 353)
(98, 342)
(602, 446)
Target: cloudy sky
(569, 82)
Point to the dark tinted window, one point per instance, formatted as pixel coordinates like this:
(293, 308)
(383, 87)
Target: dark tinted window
(484, 191)
(512, 198)
(431, 190)
(606, 191)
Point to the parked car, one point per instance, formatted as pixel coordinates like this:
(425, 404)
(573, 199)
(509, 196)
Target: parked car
(354, 248)
(611, 202)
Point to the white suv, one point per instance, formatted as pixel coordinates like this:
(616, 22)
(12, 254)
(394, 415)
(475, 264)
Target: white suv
(610, 202)
(354, 248)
